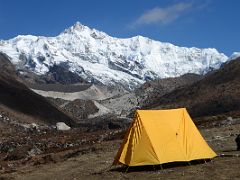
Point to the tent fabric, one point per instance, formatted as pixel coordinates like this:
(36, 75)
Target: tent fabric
(162, 136)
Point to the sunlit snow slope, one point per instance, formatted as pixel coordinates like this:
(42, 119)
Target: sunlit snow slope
(92, 54)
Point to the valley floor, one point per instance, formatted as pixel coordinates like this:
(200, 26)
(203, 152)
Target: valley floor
(95, 160)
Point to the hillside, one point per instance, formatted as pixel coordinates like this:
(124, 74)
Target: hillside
(145, 95)
(217, 93)
(157, 88)
(22, 104)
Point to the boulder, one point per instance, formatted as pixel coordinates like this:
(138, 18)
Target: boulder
(34, 126)
(230, 118)
(61, 126)
(34, 151)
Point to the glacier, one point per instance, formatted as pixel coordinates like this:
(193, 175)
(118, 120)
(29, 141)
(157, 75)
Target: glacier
(94, 55)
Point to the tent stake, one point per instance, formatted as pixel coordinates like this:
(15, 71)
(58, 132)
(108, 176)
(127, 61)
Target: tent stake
(127, 169)
(189, 163)
(161, 167)
(154, 168)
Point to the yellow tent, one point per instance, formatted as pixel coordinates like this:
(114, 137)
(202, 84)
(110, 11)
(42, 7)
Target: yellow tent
(162, 136)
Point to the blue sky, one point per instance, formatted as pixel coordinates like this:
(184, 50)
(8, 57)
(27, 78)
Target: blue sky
(199, 23)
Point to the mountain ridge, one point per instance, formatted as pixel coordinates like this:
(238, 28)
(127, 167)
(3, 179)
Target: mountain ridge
(94, 56)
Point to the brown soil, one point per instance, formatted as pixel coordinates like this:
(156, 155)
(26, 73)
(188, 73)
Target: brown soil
(92, 159)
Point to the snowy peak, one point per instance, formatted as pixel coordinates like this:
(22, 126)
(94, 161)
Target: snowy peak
(78, 26)
(79, 29)
(234, 55)
(94, 55)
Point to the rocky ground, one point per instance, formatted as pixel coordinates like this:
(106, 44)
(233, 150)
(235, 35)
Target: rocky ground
(44, 153)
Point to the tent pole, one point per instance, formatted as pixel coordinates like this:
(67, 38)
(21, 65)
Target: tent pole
(161, 166)
(189, 163)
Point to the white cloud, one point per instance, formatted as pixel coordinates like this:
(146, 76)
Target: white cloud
(160, 15)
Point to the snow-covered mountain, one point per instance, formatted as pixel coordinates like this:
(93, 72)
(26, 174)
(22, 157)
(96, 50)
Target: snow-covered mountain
(93, 54)
(234, 55)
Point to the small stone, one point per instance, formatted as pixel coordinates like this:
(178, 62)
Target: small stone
(230, 118)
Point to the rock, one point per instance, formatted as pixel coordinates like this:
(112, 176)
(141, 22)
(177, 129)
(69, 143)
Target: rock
(61, 126)
(230, 118)
(34, 126)
(34, 151)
